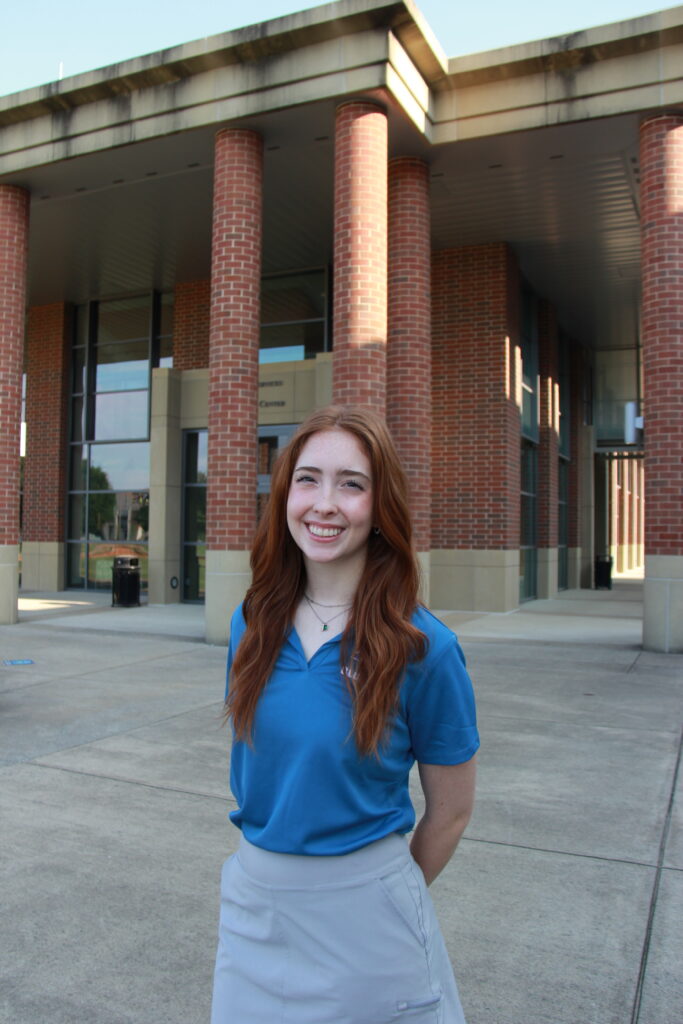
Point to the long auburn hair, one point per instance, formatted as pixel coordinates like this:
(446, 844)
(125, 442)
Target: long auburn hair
(379, 639)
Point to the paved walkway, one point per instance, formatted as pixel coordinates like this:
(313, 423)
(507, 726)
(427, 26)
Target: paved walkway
(563, 905)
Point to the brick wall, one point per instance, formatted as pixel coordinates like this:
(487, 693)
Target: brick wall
(234, 339)
(409, 349)
(14, 216)
(661, 197)
(47, 361)
(360, 256)
(475, 422)
(191, 315)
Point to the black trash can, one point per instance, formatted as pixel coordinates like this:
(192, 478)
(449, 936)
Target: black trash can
(125, 581)
(603, 572)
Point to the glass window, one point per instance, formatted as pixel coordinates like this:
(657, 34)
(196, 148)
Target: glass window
(101, 562)
(123, 319)
(563, 525)
(195, 514)
(120, 415)
(166, 352)
(565, 384)
(118, 515)
(196, 456)
(293, 297)
(529, 345)
(109, 477)
(122, 367)
(528, 523)
(119, 467)
(194, 573)
(284, 342)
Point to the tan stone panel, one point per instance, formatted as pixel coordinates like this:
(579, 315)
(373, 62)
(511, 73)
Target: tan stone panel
(9, 583)
(194, 399)
(42, 565)
(227, 577)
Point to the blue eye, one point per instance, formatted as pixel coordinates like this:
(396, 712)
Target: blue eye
(304, 478)
(354, 483)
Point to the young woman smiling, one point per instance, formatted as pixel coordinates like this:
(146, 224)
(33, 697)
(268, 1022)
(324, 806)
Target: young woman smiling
(338, 681)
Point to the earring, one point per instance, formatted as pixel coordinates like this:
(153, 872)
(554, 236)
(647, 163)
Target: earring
(376, 530)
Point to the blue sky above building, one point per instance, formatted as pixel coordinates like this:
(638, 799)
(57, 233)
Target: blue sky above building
(42, 42)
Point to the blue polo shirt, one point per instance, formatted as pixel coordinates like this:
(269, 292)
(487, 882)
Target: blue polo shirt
(303, 787)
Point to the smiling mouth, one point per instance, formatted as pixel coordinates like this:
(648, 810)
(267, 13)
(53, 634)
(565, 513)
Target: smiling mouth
(324, 531)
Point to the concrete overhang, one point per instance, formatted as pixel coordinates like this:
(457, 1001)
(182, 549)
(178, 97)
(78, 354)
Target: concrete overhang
(353, 47)
(629, 67)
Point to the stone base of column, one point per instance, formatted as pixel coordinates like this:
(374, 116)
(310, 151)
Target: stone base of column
(9, 583)
(546, 580)
(42, 565)
(474, 580)
(228, 575)
(663, 604)
(574, 569)
(425, 559)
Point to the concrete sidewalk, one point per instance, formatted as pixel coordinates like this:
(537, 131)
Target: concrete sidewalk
(563, 905)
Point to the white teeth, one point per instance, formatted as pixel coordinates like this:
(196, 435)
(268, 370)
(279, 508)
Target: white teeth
(324, 531)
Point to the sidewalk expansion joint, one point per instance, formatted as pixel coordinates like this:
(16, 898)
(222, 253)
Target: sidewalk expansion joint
(127, 780)
(562, 853)
(635, 1015)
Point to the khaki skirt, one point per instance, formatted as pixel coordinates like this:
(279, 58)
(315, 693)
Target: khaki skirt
(350, 939)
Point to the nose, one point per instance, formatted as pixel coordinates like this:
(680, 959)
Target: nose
(324, 502)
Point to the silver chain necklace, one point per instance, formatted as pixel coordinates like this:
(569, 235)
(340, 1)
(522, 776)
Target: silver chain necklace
(319, 604)
(325, 622)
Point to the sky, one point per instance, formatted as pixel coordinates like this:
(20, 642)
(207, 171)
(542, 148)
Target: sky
(42, 40)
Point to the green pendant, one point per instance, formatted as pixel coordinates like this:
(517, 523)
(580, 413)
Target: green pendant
(324, 626)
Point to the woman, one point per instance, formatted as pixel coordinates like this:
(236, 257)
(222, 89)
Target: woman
(338, 680)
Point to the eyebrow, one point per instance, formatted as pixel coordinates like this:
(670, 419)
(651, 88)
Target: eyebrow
(342, 472)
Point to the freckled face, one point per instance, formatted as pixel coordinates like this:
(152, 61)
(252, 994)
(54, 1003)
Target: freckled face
(329, 506)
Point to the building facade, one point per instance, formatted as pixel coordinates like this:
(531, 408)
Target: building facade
(199, 246)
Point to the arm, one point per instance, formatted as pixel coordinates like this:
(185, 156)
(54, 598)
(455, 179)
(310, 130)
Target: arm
(449, 797)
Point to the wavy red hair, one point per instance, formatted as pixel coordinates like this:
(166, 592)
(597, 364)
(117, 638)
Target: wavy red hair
(379, 639)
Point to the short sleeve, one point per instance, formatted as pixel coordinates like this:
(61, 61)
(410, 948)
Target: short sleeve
(440, 709)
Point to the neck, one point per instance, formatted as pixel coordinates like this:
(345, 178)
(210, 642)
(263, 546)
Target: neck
(332, 584)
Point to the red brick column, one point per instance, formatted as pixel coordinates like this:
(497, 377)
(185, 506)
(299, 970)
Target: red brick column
(234, 340)
(661, 192)
(476, 425)
(409, 349)
(233, 369)
(14, 217)
(661, 161)
(191, 309)
(47, 361)
(360, 256)
(548, 449)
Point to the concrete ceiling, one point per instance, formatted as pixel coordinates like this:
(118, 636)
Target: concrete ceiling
(565, 198)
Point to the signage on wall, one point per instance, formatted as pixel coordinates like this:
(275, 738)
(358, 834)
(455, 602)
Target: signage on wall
(276, 394)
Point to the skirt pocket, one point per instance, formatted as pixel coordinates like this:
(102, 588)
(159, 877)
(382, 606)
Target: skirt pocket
(403, 893)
